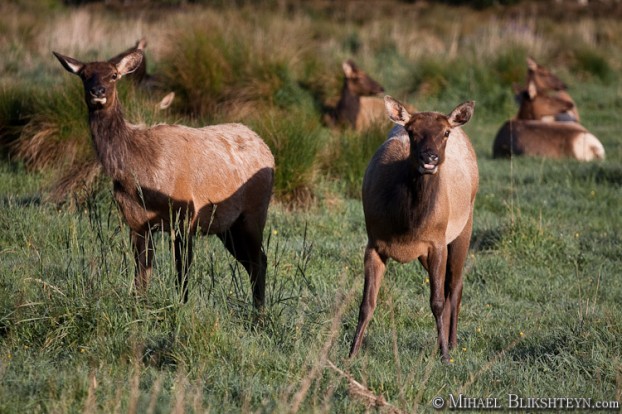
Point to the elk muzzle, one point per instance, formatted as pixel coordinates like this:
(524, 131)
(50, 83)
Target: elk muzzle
(428, 162)
(98, 95)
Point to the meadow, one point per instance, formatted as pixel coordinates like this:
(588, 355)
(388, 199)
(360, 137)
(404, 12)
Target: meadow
(542, 304)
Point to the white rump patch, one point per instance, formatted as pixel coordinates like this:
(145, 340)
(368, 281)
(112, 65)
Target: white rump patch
(587, 148)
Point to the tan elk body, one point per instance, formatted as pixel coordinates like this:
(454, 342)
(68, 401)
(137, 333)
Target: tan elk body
(527, 134)
(215, 180)
(547, 140)
(418, 197)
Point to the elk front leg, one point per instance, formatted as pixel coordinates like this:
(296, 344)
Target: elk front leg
(456, 256)
(437, 263)
(375, 266)
(142, 245)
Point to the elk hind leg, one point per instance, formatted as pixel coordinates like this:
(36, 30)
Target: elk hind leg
(142, 246)
(244, 242)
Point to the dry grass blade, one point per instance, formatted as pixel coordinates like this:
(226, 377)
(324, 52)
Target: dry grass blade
(315, 370)
(364, 394)
(78, 182)
(473, 377)
(90, 403)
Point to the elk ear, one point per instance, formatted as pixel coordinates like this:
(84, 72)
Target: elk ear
(396, 111)
(166, 101)
(141, 43)
(461, 114)
(129, 63)
(349, 68)
(532, 90)
(531, 64)
(70, 64)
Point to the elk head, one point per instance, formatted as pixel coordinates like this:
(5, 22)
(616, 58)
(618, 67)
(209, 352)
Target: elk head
(358, 82)
(543, 78)
(428, 132)
(99, 78)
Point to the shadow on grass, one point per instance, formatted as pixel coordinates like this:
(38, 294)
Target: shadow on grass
(488, 239)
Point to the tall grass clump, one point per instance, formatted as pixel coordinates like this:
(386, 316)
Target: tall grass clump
(345, 157)
(295, 137)
(592, 63)
(57, 132)
(222, 74)
(17, 103)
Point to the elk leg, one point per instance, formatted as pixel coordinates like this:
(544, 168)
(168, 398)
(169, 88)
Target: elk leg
(456, 257)
(437, 263)
(244, 243)
(142, 245)
(375, 266)
(183, 259)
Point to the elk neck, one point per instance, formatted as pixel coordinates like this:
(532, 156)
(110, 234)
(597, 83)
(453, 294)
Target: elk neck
(348, 106)
(423, 190)
(118, 145)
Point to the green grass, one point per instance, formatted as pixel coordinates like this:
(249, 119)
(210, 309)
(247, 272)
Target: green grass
(542, 305)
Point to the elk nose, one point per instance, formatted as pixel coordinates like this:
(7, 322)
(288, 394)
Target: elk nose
(98, 91)
(429, 158)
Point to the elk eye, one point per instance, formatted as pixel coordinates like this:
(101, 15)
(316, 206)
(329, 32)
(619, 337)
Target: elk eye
(115, 76)
(447, 133)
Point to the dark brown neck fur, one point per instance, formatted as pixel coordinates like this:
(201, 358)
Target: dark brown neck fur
(121, 150)
(412, 199)
(348, 106)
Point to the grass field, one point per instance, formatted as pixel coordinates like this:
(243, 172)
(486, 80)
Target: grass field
(542, 304)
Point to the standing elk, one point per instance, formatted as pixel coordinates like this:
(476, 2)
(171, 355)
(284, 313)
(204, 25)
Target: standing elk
(212, 180)
(418, 197)
(547, 83)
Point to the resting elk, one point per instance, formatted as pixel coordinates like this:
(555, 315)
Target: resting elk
(358, 107)
(539, 107)
(418, 197)
(215, 180)
(548, 140)
(548, 84)
(526, 135)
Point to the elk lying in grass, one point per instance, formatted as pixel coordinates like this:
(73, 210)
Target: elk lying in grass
(418, 196)
(548, 84)
(358, 107)
(535, 106)
(532, 133)
(215, 180)
(547, 139)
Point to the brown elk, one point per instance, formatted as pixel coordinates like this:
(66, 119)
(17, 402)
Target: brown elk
(358, 107)
(418, 197)
(548, 84)
(212, 180)
(531, 133)
(535, 106)
(547, 139)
